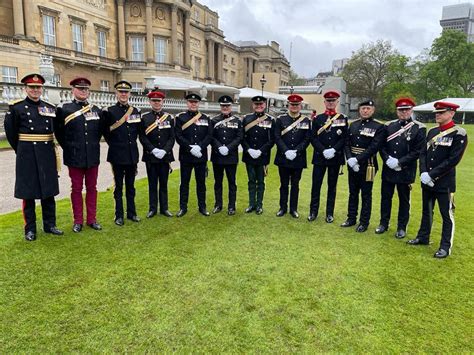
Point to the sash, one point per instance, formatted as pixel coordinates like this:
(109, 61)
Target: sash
(328, 123)
(293, 125)
(255, 122)
(400, 131)
(77, 114)
(192, 121)
(122, 120)
(439, 135)
(155, 123)
(224, 121)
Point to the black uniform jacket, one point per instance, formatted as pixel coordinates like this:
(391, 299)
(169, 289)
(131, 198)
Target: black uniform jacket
(406, 147)
(199, 133)
(155, 134)
(332, 137)
(80, 137)
(364, 140)
(229, 134)
(296, 139)
(122, 141)
(36, 173)
(441, 158)
(260, 137)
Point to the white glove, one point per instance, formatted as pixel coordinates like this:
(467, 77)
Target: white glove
(398, 168)
(223, 150)
(329, 153)
(196, 151)
(258, 152)
(155, 152)
(426, 179)
(161, 153)
(351, 162)
(290, 154)
(392, 163)
(252, 153)
(356, 168)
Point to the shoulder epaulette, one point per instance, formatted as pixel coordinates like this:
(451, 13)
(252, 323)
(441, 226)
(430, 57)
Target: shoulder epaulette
(379, 122)
(356, 120)
(61, 104)
(461, 131)
(421, 125)
(270, 116)
(14, 102)
(48, 103)
(106, 109)
(432, 128)
(390, 122)
(181, 113)
(215, 117)
(282, 115)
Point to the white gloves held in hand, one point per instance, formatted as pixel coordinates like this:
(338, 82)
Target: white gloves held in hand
(255, 153)
(223, 150)
(351, 162)
(158, 153)
(392, 163)
(290, 154)
(329, 153)
(196, 151)
(426, 179)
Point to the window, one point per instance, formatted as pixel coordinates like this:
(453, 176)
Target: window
(137, 87)
(77, 40)
(138, 49)
(180, 52)
(9, 74)
(160, 50)
(225, 58)
(104, 85)
(49, 30)
(196, 15)
(224, 75)
(102, 43)
(197, 67)
(232, 61)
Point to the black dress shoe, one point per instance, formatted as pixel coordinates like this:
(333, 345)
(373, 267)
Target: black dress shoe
(135, 219)
(166, 213)
(348, 223)
(380, 229)
(96, 226)
(76, 228)
(259, 210)
(204, 213)
(294, 214)
(119, 221)
(30, 236)
(249, 209)
(151, 214)
(329, 218)
(217, 209)
(55, 231)
(181, 213)
(400, 234)
(231, 211)
(418, 241)
(280, 213)
(441, 254)
(312, 217)
(361, 228)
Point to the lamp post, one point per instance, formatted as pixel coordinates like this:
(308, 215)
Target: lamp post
(291, 90)
(263, 81)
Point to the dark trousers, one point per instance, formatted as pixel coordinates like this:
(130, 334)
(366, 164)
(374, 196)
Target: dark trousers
(230, 171)
(256, 184)
(446, 209)
(128, 173)
(388, 188)
(289, 176)
(48, 206)
(200, 174)
(157, 173)
(357, 184)
(318, 175)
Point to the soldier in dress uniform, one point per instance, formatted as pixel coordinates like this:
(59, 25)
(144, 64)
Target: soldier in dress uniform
(292, 137)
(364, 140)
(193, 134)
(400, 152)
(259, 137)
(443, 150)
(29, 130)
(78, 129)
(121, 127)
(226, 137)
(328, 137)
(157, 138)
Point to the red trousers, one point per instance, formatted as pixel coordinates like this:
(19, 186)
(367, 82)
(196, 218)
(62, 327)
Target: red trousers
(78, 175)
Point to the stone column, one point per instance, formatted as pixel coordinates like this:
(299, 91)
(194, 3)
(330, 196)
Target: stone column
(121, 29)
(149, 31)
(220, 50)
(29, 8)
(210, 59)
(187, 38)
(18, 22)
(174, 33)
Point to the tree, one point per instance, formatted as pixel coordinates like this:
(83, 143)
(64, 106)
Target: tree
(294, 79)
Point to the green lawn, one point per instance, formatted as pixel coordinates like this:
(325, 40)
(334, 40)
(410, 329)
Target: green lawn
(245, 283)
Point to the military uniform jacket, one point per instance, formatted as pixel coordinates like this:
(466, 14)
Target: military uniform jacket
(332, 137)
(365, 136)
(160, 135)
(297, 139)
(80, 138)
(441, 158)
(36, 174)
(406, 148)
(199, 133)
(229, 134)
(122, 141)
(260, 136)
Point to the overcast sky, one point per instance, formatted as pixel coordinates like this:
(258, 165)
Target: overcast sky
(321, 31)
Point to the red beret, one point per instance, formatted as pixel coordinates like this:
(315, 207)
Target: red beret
(156, 95)
(33, 80)
(404, 102)
(80, 82)
(331, 95)
(295, 98)
(442, 106)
